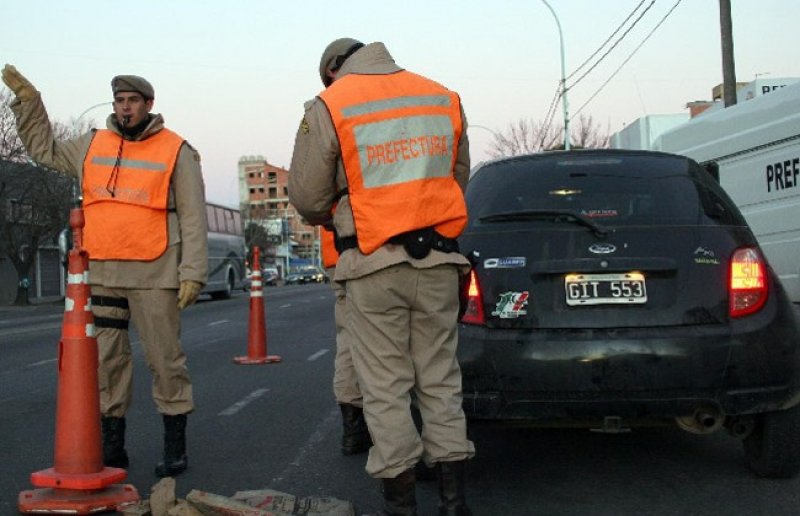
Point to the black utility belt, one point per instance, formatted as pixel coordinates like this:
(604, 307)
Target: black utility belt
(417, 243)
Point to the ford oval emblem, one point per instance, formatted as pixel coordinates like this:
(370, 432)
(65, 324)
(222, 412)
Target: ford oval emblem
(602, 248)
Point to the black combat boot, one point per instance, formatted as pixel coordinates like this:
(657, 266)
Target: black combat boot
(355, 435)
(423, 472)
(114, 454)
(175, 460)
(450, 477)
(399, 494)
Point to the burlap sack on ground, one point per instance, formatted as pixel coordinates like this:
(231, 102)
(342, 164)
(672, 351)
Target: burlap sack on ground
(284, 503)
(210, 504)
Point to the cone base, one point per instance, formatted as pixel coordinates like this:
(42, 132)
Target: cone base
(269, 359)
(71, 501)
(51, 478)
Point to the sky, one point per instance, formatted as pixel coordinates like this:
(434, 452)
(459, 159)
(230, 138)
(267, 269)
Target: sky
(232, 76)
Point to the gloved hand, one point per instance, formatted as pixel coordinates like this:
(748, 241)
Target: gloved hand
(17, 83)
(188, 293)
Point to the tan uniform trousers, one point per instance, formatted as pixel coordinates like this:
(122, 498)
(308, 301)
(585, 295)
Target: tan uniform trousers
(404, 329)
(345, 381)
(155, 315)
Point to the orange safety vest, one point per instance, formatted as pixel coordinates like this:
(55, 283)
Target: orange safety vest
(131, 224)
(328, 247)
(399, 137)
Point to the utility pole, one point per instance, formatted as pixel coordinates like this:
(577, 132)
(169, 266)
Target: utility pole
(728, 67)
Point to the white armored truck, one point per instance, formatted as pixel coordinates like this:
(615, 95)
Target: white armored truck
(756, 145)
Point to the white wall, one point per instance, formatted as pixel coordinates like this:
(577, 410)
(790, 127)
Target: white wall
(642, 132)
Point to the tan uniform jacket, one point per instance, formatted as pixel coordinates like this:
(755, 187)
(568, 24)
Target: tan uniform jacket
(186, 257)
(316, 175)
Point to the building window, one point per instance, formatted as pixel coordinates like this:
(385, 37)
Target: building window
(273, 192)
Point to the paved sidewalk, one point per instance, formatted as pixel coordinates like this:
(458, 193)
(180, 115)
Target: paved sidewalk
(44, 308)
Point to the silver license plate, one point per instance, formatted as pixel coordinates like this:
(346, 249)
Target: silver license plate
(599, 289)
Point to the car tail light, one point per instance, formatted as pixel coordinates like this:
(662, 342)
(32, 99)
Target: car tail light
(473, 314)
(747, 286)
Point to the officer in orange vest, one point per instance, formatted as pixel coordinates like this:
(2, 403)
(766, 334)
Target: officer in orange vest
(398, 141)
(355, 436)
(147, 238)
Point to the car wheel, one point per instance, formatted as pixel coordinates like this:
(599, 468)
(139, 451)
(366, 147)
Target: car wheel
(229, 284)
(772, 450)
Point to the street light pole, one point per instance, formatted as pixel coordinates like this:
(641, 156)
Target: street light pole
(564, 103)
(470, 126)
(77, 120)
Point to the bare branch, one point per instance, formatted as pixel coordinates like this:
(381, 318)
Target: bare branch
(528, 137)
(10, 145)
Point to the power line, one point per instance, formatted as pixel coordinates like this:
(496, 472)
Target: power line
(628, 58)
(548, 119)
(579, 79)
(606, 41)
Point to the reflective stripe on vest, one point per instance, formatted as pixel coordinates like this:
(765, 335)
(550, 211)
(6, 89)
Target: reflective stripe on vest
(131, 224)
(399, 137)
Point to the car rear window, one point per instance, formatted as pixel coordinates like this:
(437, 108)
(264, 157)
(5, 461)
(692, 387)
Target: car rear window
(612, 190)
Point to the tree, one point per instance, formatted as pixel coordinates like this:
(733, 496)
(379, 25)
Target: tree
(528, 137)
(11, 147)
(34, 201)
(256, 236)
(256, 221)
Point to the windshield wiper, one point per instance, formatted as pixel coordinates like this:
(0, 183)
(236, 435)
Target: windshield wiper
(555, 215)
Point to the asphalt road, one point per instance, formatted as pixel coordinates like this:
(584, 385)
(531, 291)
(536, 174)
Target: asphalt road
(277, 426)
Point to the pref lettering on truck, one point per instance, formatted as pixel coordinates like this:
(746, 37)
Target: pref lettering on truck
(782, 174)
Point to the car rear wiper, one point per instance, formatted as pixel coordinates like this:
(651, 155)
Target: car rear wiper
(556, 215)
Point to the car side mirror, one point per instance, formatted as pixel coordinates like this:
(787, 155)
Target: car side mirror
(64, 244)
(712, 167)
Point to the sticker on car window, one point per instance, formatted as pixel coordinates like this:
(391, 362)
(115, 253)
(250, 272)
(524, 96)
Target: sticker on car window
(511, 305)
(600, 213)
(509, 262)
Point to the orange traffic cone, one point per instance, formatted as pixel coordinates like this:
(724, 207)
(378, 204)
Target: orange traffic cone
(256, 335)
(78, 483)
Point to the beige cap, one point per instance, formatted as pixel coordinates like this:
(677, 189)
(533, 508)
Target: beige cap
(132, 83)
(339, 47)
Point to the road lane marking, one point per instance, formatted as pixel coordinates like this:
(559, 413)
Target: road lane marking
(317, 437)
(239, 405)
(317, 355)
(223, 321)
(42, 362)
(286, 305)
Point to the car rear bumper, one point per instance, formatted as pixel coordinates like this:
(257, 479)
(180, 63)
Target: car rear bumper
(631, 373)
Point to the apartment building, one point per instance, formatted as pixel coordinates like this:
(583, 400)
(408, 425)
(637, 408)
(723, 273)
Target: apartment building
(264, 200)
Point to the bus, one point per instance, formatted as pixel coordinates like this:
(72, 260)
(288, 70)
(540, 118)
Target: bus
(227, 252)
